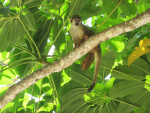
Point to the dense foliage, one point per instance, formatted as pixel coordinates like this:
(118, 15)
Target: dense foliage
(33, 31)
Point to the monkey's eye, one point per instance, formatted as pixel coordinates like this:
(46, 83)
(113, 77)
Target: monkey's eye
(75, 20)
(78, 20)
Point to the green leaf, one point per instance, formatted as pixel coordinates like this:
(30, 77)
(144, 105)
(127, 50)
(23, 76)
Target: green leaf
(4, 10)
(124, 88)
(117, 43)
(89, 11)
(60, 41)
(109, 6)
(113, 106)
(28, 20)
(75, 106)
(5, 80)
(32, 3)
(71, 89)
(42, 34)
(14, 2)
(79, 5)
(124, 108)
(107, 61)
(4, 39)
(127, 73)
(4, 54)
(33, 90)
(3, 90)
(17, 101)
(142, 65)
(23, 69)
(110, 22)
(127, 6)
(16, 33)
(148, 57)
(80, 76)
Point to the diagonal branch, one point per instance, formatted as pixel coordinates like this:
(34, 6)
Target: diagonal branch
(74, 55)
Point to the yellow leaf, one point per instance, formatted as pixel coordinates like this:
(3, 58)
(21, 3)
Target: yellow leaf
(139, 51)
(144, 43)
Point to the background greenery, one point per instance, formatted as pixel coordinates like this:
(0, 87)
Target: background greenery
(30, 28)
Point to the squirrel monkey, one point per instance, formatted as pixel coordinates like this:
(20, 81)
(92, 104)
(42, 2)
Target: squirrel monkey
(79, 34)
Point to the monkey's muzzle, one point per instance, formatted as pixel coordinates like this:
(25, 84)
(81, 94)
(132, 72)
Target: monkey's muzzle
(76, 23)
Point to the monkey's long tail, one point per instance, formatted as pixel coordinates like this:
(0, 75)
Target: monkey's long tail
(97, 57)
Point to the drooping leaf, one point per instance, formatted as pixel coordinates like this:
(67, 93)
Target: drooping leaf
(16, 33)
(4, 38)
(28, 20)
(42, 34)
(58, 37)
(22, 68)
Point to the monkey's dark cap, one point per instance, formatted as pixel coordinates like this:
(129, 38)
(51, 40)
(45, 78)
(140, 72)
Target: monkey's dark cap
(76, 17)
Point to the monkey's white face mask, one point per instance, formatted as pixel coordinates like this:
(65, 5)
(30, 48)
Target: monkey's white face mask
(76, 22)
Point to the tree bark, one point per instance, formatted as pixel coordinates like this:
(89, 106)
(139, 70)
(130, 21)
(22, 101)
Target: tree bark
(74, 55)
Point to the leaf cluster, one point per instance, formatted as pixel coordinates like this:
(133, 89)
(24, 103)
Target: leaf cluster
(35, 32)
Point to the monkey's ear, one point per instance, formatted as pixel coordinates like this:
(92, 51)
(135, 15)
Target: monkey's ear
(70, 20)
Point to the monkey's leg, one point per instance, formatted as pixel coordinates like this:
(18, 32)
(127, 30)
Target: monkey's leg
(89, 57)
(87, 61)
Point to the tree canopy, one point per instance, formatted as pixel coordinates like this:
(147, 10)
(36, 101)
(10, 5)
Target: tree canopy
(40, 71)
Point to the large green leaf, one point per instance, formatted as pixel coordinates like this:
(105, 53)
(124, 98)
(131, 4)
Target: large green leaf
(14, 2)
(85, 8)
(107, 61)
(109, 6)
(19, 62)
(140, 68)
(32, 3)
(42, 34)
(58, 36)
(4, 32)
(4, 10)
(16, 33)
(33, 90)
(124, 88)
(80, 76)
(28, 20)
(130, 91)
(127, 6)
(117, 43)
(79, 5)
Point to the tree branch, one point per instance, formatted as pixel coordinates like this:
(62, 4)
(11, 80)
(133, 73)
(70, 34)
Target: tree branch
(74, 55)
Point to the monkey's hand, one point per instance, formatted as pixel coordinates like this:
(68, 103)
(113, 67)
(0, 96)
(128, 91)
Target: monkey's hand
(86, 37)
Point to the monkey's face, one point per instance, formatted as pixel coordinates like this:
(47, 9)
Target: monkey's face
(76, 22)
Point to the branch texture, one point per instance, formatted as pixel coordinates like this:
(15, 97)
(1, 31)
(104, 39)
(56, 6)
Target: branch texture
(74, 55)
